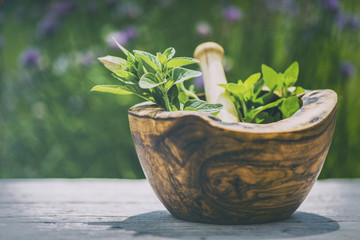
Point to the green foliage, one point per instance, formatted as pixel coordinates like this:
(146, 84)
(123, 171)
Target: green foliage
(155, 78)
(254, 105)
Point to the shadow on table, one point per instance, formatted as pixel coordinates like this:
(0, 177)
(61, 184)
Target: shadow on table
(162, 224)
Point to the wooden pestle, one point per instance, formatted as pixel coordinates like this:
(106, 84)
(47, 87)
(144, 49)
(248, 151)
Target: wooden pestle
(210, 55)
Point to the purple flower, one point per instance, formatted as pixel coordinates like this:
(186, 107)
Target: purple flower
(30, 57)
(130, 32)
(59, 9)
(353, 22)
(232, 13)
(347, 70)
(330, 5)
(85, 59)
(203, 29)
(119, 36)
(122, 37)
(341, 20)
(347, 22)
(48, 26)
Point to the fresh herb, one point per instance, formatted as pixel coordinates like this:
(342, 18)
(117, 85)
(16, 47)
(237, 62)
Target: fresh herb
(255, 105)
(159, 79)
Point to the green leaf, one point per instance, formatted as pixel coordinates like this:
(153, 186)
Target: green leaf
(150, 59)
(261, 117)
(182, 74)
(258, 86)
(138, 66)
(264, 99)
(252, 114)
(113, 63)
(270, 105)
(169, 83)
(128, 76)
(250, 81)
(169, 53)
(149, 80)
(271, 77)
(173, 95)
(115, 89)
(181, 61)
(158, 96)
(289, 106)
(234, 88)
(126, 52)
(291, 74)
(161, 58)
(202, 106)
(298, 90)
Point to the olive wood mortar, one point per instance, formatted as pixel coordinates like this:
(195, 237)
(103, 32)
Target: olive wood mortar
(206, 170)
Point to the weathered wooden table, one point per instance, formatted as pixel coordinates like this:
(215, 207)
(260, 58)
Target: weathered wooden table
(128, 209)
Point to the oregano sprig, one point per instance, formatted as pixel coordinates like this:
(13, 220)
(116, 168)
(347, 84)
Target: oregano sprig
(158, 78)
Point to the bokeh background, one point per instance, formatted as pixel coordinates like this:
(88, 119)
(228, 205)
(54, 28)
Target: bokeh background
(52, 126)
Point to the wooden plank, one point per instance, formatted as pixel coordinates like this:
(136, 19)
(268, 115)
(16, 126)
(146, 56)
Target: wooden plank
(128, 209)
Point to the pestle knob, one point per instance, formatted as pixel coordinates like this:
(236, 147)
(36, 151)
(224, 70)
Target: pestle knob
(210, 55)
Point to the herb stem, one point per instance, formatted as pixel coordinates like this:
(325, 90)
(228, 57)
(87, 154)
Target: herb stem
(189, 93)
(243, 106)
(166, 99)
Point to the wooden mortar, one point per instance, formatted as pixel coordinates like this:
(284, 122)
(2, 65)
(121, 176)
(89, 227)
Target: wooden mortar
(206, 170)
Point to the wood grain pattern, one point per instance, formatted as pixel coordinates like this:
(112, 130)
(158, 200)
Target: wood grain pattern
(206, 170)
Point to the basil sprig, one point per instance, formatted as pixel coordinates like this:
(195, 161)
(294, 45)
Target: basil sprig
(257, 106)
(159, 79)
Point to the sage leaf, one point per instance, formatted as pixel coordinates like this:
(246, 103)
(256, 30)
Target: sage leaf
(149, 80)
(115, 89)
(173, 95)
(126, 52)
(128, 76)
(157, 78)
(150, 59)
(181, 61)
(169, 53)
(113, 63)
(161, 58)
(180, 74)
(202, 106)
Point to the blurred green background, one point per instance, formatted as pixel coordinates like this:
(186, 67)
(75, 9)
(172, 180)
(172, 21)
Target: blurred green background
(52, 126)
